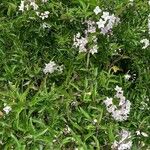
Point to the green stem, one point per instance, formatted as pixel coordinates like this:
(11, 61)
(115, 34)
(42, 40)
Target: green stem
(88, 61)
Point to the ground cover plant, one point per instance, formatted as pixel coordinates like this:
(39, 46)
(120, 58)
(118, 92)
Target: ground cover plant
(74, 74)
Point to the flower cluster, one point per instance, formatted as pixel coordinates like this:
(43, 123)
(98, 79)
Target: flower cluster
(25, 5)
(43, 15)
(145, 42)
(120, 112)
(51, 67)
(106, 22)
(124, 143)
(82, 42)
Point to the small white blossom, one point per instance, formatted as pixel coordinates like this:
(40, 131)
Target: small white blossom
(94, 49)
(97, 10)
(118, 89)
(51, 67)
(7, 109)
(101, 23)
(108, 101)
(34, 5)
(21, 7)
(94, 121)
(127, 77)
(144, 134)
(105, 16)
(138, 133)
(145, 42)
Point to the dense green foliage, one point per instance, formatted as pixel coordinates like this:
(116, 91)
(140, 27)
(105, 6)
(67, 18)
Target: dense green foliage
(44, 106)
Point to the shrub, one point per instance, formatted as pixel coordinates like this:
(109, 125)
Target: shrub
(61, 62)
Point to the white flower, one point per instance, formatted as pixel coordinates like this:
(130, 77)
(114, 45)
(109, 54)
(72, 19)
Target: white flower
(51, 67)
(149, 2)
(145, 42)
(21, 7)
(46, 12)
(118, 89)
(119, 95)
(35, 6)
(144, 134)
(97, 10)
(101, 23)
(78, 35)
(94, 49)
(108, 101)
(94, 121)
(127, 77)
(138, 133)
(105, 16)
(7, 109)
